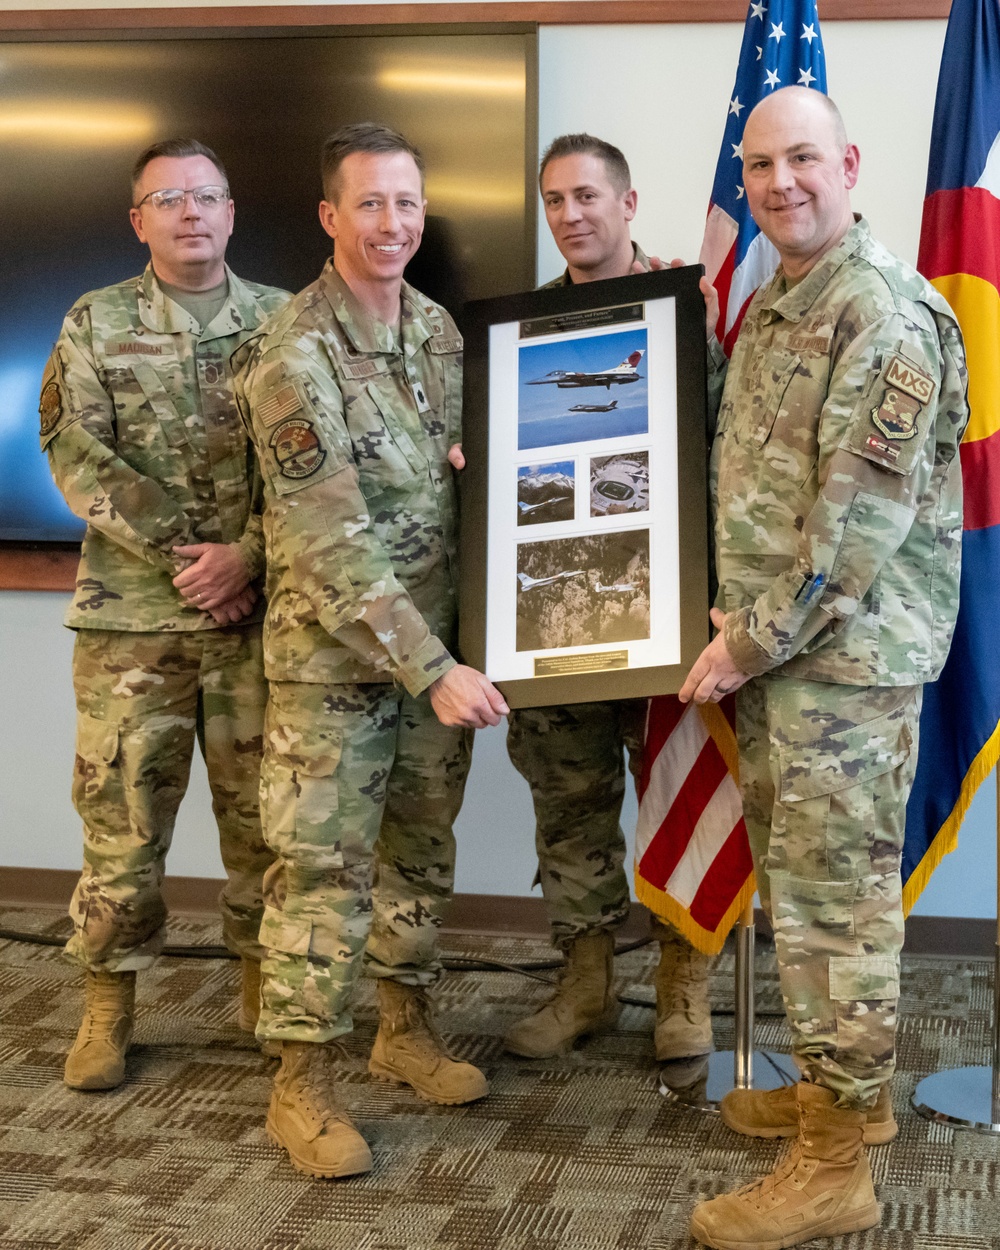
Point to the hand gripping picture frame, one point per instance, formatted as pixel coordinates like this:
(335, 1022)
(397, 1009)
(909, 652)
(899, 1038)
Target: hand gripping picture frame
(584, 553)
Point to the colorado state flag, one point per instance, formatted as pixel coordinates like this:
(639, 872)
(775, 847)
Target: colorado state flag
(960, 254)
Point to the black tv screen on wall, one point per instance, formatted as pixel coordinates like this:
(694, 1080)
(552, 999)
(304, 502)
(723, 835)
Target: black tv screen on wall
(74, 114)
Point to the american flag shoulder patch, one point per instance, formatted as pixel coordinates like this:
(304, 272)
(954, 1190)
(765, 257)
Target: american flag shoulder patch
(281, 404)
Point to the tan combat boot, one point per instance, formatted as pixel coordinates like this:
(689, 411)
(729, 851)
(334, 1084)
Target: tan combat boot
(408, 1049)
(249, 994)
(96, 1059)
(775, 1113)
(683, 1011)
(584, 1002)
(822, 1188)
(307, 1120)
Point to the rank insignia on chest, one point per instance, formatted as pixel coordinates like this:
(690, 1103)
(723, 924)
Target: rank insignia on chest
(906, 392)
(49, 407)
(297, 449)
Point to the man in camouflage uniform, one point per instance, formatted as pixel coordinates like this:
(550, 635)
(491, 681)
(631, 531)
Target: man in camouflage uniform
(838, 532)
(573, 757)
(353, 398)
(146, 444)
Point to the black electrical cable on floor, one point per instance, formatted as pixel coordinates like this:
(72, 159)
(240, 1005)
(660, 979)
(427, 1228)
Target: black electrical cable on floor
(452, 963)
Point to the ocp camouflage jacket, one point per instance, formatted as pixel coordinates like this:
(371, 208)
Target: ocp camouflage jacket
(146, 444)
(837, 478)
(352, 428)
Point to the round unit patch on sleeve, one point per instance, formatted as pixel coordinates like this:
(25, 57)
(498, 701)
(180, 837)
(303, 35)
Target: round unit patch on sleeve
(296, 448)
(49, 407)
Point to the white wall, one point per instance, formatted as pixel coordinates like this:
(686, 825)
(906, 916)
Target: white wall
(661, 93)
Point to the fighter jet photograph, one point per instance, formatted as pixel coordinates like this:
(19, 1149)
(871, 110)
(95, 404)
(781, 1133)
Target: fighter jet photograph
(619, 483)
(620, 375)
(595, 407)
(546, 370)
(546, 492)
(584, 590)
(532, 583)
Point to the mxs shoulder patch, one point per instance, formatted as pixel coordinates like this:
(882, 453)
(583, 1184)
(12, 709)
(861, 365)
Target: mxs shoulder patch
(906, 392)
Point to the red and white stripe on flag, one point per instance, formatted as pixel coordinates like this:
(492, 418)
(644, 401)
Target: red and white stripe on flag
(692, 858)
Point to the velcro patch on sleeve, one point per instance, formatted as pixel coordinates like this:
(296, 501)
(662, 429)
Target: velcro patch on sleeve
(893, 414)
(49, 407)
(283, 403)
(297, 450)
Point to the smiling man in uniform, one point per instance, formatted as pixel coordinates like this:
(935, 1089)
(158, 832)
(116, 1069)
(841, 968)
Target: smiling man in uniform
(146, 444)
(573, 757)
(354, 398)
(838, 493)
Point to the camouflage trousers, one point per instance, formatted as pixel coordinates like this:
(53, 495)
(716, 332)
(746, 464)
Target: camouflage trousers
(825, 772)
(573, 758)
(360, 787)
(142, 700)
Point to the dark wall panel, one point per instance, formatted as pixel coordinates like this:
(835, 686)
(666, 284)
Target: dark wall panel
(73, 116)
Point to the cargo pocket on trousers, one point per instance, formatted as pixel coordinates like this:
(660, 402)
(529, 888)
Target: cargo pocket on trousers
(299, 937)
(299, 804)
(96, 753)
(864, 990)
(828, 791)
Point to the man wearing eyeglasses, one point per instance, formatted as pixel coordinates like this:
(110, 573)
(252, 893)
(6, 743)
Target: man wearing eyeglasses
(145, 443)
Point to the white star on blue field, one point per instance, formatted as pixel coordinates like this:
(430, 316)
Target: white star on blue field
(543, 416)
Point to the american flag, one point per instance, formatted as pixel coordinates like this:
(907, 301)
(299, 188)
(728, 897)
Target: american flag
(692, 860)
(781, 48)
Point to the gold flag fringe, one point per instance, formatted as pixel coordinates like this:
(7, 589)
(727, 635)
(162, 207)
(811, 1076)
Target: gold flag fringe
(946, 838)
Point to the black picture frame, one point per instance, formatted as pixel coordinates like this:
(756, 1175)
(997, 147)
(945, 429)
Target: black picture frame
(645, 560)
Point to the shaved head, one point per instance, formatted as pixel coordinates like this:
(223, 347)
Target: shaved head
(798, 171)
(803, 101)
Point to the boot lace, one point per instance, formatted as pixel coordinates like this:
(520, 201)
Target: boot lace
(311, 1083)
(414, 1020)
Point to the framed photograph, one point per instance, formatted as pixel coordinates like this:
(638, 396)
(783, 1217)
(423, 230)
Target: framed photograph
(584, 500)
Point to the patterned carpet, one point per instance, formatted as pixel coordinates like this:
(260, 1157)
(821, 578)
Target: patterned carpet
(574, 1154)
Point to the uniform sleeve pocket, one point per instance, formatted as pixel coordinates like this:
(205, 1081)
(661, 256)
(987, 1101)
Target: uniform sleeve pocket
(96, 740)
(863, 978)
(842, 760)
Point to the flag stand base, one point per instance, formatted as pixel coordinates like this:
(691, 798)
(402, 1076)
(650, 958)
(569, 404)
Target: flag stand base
(704, 1085)
(963, 1097)
(968, 1097)
(770, 1071)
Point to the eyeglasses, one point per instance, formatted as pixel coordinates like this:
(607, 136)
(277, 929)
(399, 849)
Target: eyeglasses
(171, 198)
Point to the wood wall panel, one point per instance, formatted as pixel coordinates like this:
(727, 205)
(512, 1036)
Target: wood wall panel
(544, 12)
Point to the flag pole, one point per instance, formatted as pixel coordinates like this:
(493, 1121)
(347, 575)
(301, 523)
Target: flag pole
(970, 1097)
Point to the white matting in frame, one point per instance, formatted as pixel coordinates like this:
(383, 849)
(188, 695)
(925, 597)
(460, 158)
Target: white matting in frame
(583, 547)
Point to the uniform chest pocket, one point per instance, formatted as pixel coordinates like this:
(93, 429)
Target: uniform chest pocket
(445, 384)
(777, 372)
(171, 424)
(384, 452)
